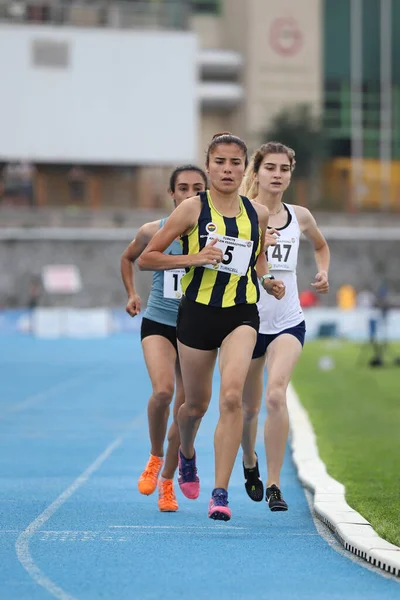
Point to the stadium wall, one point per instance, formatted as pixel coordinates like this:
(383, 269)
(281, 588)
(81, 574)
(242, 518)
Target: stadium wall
(357, 259)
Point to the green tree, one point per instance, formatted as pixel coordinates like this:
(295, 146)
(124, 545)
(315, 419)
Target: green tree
(299, 129)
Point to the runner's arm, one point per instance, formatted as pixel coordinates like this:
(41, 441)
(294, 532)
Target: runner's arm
(321, 249)
(128, 259)
(263, 216)
(272, 286)
(181, 221)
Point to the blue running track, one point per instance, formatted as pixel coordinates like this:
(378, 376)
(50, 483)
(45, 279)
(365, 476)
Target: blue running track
(73, 441)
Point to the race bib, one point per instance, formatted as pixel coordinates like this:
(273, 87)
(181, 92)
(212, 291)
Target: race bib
(236, 254)
(172, 283)
(283, 256)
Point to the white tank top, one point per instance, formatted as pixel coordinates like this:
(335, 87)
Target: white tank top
(277, 315)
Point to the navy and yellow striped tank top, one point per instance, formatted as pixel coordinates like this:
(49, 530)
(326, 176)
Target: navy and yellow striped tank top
(237, 282)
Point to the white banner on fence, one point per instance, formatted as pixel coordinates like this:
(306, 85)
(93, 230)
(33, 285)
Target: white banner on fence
(97, 96)
(71, 323)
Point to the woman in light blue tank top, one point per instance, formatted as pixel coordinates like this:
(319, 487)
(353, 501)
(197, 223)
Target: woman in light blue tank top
(160, 306)
(158, 335)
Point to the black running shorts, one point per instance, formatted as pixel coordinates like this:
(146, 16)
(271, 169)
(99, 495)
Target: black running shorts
(205, 327)
(150, 327)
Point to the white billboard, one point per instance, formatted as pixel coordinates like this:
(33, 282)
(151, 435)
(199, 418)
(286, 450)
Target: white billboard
(97, 96)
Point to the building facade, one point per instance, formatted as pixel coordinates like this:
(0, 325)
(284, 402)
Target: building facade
(254, 59)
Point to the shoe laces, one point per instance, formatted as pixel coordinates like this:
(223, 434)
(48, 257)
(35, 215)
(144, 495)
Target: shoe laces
(188, 469)
(275, 492)
(152, 469)
(167, 491)
(220, 499)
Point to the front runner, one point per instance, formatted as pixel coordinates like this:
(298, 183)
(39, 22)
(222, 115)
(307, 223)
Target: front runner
(222, 235)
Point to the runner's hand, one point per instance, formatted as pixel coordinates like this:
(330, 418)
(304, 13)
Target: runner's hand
(210, 255)
(270, 237)
(133, 305)
(275, 288)
(322, 284)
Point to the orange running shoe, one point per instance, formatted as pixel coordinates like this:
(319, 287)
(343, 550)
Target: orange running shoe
(148, 480)
(166, 496)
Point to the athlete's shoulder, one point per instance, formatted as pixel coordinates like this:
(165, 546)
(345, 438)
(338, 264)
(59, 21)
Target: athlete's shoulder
(186, 215)
(149, 230)
(303, 215)
(301, 211)
(261, 210)
(194, 201)
(191, 207)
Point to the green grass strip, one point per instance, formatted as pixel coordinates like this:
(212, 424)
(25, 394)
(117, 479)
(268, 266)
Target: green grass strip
(355, 412)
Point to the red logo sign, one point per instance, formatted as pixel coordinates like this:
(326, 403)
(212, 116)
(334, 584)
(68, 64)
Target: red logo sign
(285, 36)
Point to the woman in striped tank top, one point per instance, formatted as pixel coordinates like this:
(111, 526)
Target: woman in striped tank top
(221, 234)
(282, 328)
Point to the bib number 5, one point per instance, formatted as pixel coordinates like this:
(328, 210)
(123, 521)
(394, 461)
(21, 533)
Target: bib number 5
(228, 256)
(236, 254)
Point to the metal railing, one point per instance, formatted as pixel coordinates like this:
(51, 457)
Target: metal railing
(117, 14)
(337, 118)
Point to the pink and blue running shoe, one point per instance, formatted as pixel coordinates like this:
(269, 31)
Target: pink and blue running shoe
(218, 508)
(188, 479)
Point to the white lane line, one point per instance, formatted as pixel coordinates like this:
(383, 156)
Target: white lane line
(9, 531)
(47, 533)
(22, 543)
(131, 536)
(171, 527)
(46, 394)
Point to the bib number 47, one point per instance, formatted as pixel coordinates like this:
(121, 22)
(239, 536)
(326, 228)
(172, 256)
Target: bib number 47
(279, 255)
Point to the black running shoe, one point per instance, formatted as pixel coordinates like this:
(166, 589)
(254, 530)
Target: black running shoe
(273, 497)
(253, 484)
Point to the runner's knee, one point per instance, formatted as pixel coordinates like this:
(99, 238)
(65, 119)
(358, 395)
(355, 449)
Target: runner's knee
(276, 397)
(163, 396)
(196, 410)
(231, 399)
(249, 413)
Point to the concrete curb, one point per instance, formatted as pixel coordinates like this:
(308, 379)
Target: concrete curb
(351, 529)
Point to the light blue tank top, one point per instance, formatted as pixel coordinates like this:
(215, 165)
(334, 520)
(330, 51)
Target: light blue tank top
(160, 309)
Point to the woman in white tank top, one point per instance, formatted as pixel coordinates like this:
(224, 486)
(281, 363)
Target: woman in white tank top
(282, 328)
